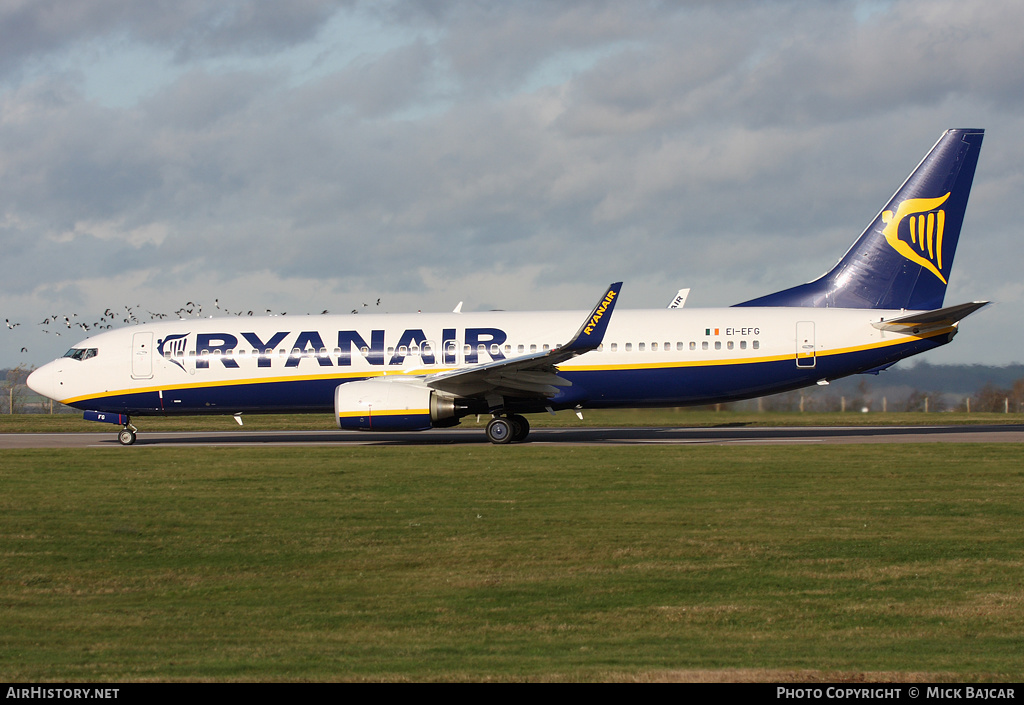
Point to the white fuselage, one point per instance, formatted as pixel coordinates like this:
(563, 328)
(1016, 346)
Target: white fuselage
(294, 363)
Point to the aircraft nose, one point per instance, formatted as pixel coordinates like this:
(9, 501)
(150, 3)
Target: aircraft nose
(43, 381)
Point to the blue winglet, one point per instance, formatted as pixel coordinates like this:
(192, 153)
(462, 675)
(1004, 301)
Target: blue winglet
(591, 333)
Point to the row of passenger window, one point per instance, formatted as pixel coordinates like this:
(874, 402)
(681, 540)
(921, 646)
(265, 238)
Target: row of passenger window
(704, 345)
(494, 350)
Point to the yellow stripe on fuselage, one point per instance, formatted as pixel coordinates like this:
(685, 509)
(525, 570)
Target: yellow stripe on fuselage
(571, 368)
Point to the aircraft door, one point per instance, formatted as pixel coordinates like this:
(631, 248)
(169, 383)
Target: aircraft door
(142, 356)
(805, 344)
(450, 353)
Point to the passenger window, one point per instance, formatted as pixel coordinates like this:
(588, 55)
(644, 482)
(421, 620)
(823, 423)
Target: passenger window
(640, 347)
(729, 345)
(743, 345)
(629, 347)
(615, 347)
(693, 345)
(654, 347)
(704, 345)
(757, 345)
(718, 345)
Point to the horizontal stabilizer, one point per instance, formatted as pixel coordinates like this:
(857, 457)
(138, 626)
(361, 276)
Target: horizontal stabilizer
(917, 323)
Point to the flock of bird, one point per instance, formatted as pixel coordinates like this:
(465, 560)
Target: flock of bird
(133, 316)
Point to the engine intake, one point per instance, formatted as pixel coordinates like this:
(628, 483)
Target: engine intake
(391, 405)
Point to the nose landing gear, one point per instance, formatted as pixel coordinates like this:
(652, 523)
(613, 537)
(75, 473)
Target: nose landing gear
(127, 435)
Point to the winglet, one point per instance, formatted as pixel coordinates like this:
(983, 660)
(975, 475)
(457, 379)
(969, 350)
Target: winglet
(591, 333)
(534, 374)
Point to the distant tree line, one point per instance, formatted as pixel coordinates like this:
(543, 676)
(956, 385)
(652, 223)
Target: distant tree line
(14, 392)
(989, 398)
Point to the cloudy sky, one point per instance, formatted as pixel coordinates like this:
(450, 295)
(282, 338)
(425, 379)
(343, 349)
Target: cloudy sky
(315, 155)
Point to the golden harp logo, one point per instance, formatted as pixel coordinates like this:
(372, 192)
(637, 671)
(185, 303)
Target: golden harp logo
(925, 226)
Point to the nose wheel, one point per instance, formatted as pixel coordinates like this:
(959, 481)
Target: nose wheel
(127, 434)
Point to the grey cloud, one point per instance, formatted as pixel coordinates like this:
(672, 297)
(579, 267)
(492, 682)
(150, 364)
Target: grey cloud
(65, 160)
(380, 86)
(188, 28)
(734, 152)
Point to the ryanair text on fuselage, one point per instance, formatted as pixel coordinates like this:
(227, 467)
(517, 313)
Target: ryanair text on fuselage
(293, 348)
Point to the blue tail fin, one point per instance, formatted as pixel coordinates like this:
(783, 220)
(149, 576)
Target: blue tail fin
(903, 259)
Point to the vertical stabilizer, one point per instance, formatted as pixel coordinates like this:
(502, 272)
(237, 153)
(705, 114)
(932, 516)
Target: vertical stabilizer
(903, 259)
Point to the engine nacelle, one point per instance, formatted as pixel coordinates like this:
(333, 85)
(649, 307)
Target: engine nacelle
(391, 405)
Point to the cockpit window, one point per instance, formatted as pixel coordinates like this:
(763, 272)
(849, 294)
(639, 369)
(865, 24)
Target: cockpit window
(81, 353)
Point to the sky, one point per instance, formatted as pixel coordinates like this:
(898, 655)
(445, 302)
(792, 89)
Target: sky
(315, 155)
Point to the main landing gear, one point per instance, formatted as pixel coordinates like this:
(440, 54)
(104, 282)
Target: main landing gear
(506, 429)
(127, 435)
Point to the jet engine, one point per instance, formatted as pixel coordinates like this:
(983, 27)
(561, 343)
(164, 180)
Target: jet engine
(391, 405)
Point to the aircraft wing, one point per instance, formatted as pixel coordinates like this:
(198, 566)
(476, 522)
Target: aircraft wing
(917, 323)
(535, 374)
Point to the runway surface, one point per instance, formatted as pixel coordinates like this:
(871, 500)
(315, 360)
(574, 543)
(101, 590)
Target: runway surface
(728, 435)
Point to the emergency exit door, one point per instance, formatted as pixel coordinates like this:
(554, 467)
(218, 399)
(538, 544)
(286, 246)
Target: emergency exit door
(805, 344)
(142, 355)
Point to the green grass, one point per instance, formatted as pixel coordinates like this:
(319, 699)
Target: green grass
(73, 422)
(513, 563)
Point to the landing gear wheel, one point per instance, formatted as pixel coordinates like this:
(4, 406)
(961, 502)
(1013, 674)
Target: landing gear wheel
(126, 437)
(499, 430)
(520, 427)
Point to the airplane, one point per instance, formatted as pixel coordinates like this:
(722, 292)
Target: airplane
(882, 302)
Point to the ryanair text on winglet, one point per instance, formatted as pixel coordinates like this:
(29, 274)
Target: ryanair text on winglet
(599, 312)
